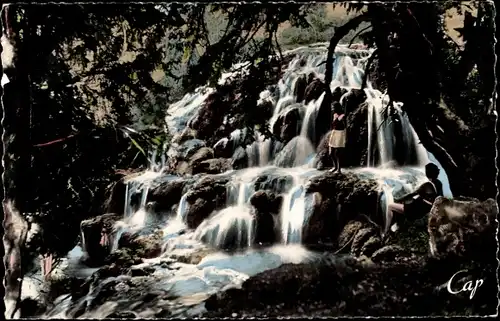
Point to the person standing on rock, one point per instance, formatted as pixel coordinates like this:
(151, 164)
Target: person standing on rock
(421, 200)
(337, 139)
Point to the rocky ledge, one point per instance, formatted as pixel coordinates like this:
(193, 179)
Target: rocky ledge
(397, 279)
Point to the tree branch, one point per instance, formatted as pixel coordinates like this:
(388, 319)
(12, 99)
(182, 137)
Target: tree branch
(340, 33)
(367, 68)
(356, 35)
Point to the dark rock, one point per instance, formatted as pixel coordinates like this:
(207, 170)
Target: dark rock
(349, 288)
(122, 315)
(276, 183)
(339, 199)
(300, 87)
(462, 228)
(265, 204)
(91, 230)
(167, 194)
(362, 237)
(387, 253)
(314, 90)
(213, 166)
(348, 233)
(289, 123)
(206, 196)
(371, 245)
(239, 159)
(223, 148)
(211, 115)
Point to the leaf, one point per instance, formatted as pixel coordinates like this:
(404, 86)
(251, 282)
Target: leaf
(138, 146)
(186, 55)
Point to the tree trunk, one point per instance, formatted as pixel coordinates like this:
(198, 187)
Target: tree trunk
(16, 102)
(413, 69)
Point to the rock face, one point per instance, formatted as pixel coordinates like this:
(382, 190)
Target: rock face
(266, 204)
(313, 90)
(211, 115)
(342, 197)
(206, 196)
(276, 183)
(239, 159)
(462, 228)
(167, 194)
(213, 166)
(91, 230)
(288, 124)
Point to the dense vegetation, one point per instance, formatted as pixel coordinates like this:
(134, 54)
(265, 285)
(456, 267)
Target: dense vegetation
(86, 79)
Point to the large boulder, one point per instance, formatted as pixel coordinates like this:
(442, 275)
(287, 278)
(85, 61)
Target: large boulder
(289, 123)
(201, 155)
(239, 159)
(223, 148)
(91, 232)
(213, 166)
(314, 90)
(340, 198)
(299, 89)
(211, 115)
(266, 205)
(167, 194)
(463, 228)
(277, 183)
(205, 197)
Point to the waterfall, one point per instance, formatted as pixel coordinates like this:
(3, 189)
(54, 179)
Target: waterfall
(391, 139)
(232, 227)
(292, 216)
(182, 208)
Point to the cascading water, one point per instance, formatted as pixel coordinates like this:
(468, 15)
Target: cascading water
(233, 227)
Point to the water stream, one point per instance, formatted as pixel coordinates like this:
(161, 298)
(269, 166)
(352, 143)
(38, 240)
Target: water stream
(234, 224)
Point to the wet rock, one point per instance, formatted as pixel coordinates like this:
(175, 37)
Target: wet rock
(300, 87)
(363, 236)
(387, 253)
(91, 230)
(116, 199)
(276, 183)
(353, 99)
(289, 123)
(122, 315)
(313, 90)
(341, 198)
(185, 135)
(167, 194)
(462, 228)
(191, 257)
(213, 166)
(265, 204)
(348, 233)
(371, 245)
(206, 196)
(188, 148)
(266, 201)
(211, 114)
(239, 159)
(350, 288)
(141, 271)
(202, 154)
(223, 148)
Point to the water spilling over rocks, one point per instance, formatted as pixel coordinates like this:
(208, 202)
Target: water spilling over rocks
(231, 203)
